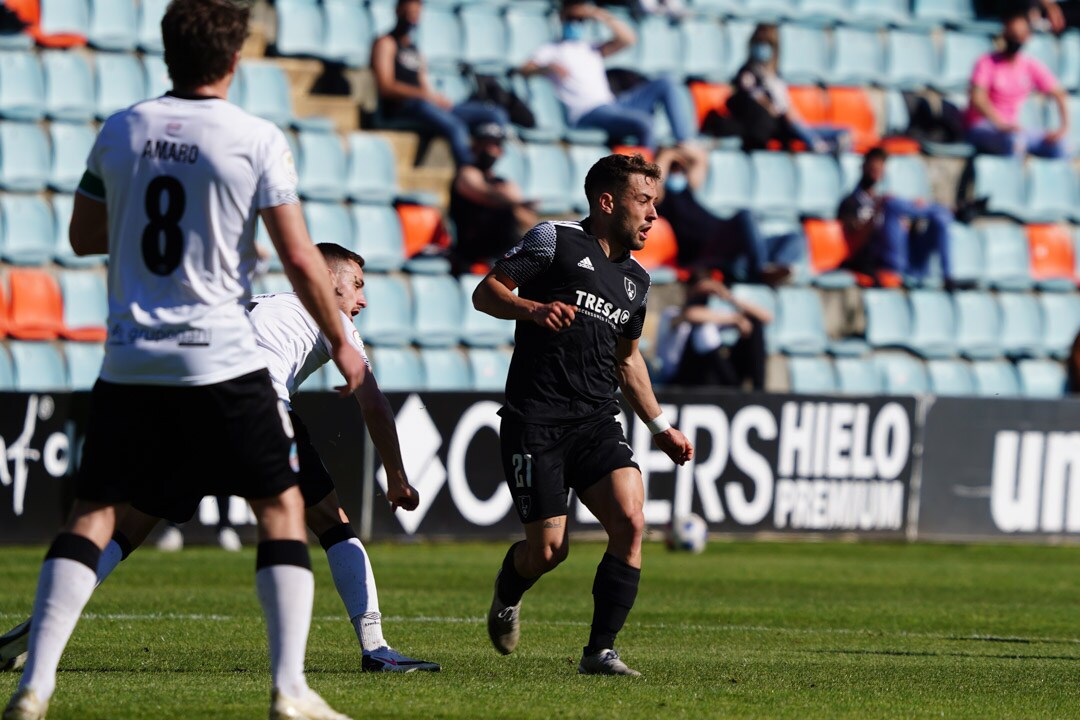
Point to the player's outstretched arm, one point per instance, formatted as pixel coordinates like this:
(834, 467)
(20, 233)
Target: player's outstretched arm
(89, 228)
(636, 386)
(308, 273)
(379, 418)
(495, 296)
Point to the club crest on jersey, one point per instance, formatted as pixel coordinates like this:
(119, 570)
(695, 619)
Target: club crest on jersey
(631, 288)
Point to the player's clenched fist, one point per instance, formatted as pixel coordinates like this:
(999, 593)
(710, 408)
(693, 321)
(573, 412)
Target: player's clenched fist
(554, 316)
(675, 445)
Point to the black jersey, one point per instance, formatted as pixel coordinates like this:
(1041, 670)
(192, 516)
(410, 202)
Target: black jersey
(569, 376)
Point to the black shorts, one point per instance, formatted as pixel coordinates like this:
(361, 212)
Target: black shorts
(163, 448)
(544, 462)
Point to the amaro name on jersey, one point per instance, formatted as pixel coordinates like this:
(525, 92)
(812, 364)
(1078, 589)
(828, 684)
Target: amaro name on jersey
(168, 150)
(598, 307)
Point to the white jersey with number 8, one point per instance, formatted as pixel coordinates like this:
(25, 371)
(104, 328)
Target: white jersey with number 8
(183, 180)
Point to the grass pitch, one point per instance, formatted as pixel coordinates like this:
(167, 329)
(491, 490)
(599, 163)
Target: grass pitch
(747, 630)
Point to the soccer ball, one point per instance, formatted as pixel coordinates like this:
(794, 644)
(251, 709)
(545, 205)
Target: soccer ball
(688, 532)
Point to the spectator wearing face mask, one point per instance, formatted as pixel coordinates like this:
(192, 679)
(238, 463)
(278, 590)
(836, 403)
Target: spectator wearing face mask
(1000, 83)
(405, 92)
(489, 212)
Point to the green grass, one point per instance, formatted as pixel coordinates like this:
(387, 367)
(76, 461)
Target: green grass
(754, 630)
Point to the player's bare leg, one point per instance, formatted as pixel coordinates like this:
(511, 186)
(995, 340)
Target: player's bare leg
(546, 544)
(617, 502)
(355, 583)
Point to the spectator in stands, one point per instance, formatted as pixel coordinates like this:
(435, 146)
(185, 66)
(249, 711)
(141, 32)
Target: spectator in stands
(488, 211)
(405, 93)
(576, 67)
(890, 237)
(735, 246)
(1000, 83)
(760, 105)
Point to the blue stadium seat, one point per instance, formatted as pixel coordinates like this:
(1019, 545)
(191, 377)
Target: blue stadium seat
(703, 49)
(1069, 69)
(114, 25)
(328, 222)
(390, 321)
(549, 178)
(272, 282)
(1001, 180)
(995, 378)
(1053, 121)
(906, 177)
(86, 302)
(24, 157)
(156, 76)
(380, 237)
(858, 376)
(372, 169)
(876, 13)
(321, 165)
(398, 369)
(902, 374)
(800, 324)
(262, 89)
(1060, 322)
(727, 187)
(966, 254)
(446, 370)
(83, 361)
(65, 17)
(69, 85)
(7, 371)
(858, 57)
(958, 55)
(978, 325)
(1007, 264)
(527, 28)
(769, 10)
(38, 367)
(819, 185)
(897, 117)
(484, 37)
(22, 85)
(933, 324)
(950, 377)
(452, 83)
(348, 33)
(888, 318)
(582, 158)
(299, 28)
(28, 233)
(63, 254)
(440, 37)
(71, 143)
(822, 11)
(548, 113)
(811, 375)
(1052, 191)
(910, 60)
(850, 171)
(438, 311)
(1044, 48)
(481, 329)
(737, 33)
(1041, 378)
(805, 55)
(1021, 325)
(489, 367)
(383, 17)
(661, 51)
(148, 36)
(119, 82)
(950, 12)
(764, 297)
(774, 185)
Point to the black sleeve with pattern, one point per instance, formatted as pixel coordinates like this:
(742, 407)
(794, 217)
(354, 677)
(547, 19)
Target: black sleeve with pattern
(531, 256)
(633, 327)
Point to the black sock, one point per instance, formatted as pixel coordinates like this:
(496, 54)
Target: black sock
(125, 544)
(614, 591)
(511, 585)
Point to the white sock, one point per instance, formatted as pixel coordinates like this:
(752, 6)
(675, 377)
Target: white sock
(110, 558)
(287, 593)
(64, 587)
(351, 569)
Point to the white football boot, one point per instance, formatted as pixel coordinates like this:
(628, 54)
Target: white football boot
(308, 707)
(605, 662)
(25, 705)
(13, 646)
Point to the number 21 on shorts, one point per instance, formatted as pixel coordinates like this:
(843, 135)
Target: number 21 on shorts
(522, 469)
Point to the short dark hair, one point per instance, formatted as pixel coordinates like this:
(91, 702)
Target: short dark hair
(875, 153)
(610, 174)
(334, 254)
(201, 37)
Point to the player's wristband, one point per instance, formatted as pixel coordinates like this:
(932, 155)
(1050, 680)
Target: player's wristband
(658, 424)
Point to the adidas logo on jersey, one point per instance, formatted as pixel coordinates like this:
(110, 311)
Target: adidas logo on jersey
(586, 263)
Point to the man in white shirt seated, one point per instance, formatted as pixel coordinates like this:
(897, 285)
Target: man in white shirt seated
(576, 66)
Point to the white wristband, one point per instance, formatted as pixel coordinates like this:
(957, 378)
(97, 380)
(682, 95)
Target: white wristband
(658, 424)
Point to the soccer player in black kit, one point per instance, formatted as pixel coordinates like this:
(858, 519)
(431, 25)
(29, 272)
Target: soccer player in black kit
(579, 311)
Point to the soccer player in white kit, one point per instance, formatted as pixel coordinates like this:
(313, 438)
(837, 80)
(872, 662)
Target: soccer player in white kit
(184, 406)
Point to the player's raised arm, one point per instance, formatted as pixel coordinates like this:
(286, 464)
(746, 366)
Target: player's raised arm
(379, 419)
(633, 377)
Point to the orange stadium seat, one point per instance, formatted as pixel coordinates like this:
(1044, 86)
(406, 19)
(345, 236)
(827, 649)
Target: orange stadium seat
(634, 150)
(1051, 251)
(850, 107)
(811, 103)
(708, 97)
(422, 226)
(3, 313)
(661, 248)
(36, 311)
(828, 249)
(29, 11)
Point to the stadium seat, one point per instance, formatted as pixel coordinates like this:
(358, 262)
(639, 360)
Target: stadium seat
(262, 89)
(888, 318)
(902, 374)
(35, 308)
(827, 251)
(4, 312)
(737, 33)
(897, 117)
(906, 177)
(876, 13)
(800, 324)
(38, 367)
(481, 329)
(933, 324)
(948, 12)
(64, 23)
(22, 85)
(24, 157)
(446, 370)
(83, 361)
(661, 50)
(272, 282)
(489, 368)
(811, 375)
(703, 49)
(1021, 325)
(810, 102)
(728, 185)
(71, 143)
(148, 36)
(28, 233)
(321, 166)
(63, 254)
(422, 228)
(858, 376)
(7, 371)
(548, 178)
(299, 28)
(398, 369)
(549, 115)
(1053, 262)
(978, 325)
(858, 57)
(950, 377)
(764, 297)
(371, 175)
(156, 76)
(86, 306)
(805, 55)
(709, 98)
(1006, 262)
(1041, 378)
(348, 33)
(769, 10)
(390, 322)
(819, 189)
(995, 378)
(1044, 47)
(1060, 323)
(822, 11)
(383, 17)
(119, 82)
(380, 240)
(484, 37)
(528, 27)
(958, 55)
(69, 86)
(440, 37)
(511, 165)
(850, 107)
(582, 158)
(1069, 72)
(452, 83)
(114, 25)
(775, 185)
(966, 254)
(329, 222)
(438, 311)
(1052, 192)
